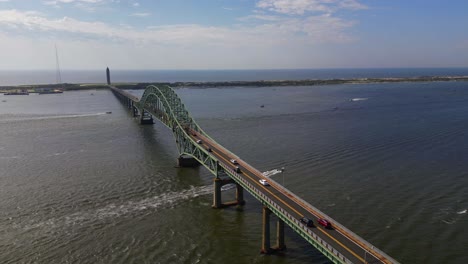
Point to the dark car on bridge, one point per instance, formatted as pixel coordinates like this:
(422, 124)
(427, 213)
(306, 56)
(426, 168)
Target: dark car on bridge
(325, 223)
(308, 222)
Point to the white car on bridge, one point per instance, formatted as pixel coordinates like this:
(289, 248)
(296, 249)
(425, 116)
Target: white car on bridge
(264, 182)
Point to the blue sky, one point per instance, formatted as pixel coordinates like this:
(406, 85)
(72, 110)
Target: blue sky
(233, 34)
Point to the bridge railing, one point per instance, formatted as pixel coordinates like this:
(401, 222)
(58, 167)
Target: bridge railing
(126, 94)
(358, 240)
(371, 249)
(266, 200)
(366, 246)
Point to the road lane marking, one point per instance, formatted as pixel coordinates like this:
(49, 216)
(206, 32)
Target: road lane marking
(265, 188)
(345, 247)
(307, 208)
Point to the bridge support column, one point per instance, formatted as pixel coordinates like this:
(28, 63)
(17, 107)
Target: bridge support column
(135, 111)
(239, 195)
(217, 193)
(146, 118)
(280, 245)
(187, 162)
(266, 249)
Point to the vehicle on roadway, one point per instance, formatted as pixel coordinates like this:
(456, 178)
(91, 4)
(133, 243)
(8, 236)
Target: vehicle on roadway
(208, 149)
(325, 223)
(264, 182)
(237, 169)
(308, 222)
(233, 161)
(199, 141)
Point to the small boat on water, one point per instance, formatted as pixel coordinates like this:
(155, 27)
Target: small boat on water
(108, 112)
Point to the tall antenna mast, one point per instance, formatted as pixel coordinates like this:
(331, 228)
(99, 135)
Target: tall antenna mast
(58, 75)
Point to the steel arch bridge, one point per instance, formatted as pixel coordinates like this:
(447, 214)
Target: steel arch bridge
(164, 104)
(338, 244)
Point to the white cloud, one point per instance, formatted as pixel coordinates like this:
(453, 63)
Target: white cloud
(299, 7)
(140, 14)
(262, 42)
(260, 17)
(136, 4)
(56, 2)
(321, 28)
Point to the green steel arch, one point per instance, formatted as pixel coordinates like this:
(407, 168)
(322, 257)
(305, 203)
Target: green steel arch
(164, 104)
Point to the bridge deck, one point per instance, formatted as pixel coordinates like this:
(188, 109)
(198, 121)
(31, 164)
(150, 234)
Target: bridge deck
(338, 240)
(351, 247)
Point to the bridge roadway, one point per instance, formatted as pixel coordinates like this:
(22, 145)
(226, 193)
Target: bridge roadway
(339, 239)
(352, 248)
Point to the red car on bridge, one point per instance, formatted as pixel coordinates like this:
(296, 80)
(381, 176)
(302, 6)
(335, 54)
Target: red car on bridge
(325, 223)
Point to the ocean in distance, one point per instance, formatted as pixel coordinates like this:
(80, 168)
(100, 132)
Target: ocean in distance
(97, 76)
(82, 186)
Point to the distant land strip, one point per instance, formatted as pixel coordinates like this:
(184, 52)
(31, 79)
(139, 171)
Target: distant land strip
(262, 83)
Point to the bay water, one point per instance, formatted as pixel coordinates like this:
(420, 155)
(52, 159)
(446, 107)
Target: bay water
(388, 161)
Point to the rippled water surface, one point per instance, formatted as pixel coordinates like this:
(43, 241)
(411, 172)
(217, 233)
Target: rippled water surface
(386, 160)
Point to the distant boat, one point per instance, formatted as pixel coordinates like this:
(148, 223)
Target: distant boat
(109, 112)
(50, 91)
(17, 92)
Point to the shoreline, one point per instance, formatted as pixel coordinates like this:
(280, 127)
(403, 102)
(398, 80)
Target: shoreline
(261, 83)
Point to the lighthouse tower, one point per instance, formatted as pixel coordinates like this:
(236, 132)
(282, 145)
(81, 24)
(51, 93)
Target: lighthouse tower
(108, 76)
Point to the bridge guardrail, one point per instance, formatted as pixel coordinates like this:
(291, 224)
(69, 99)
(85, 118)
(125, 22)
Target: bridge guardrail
(350, 234)
(355, 238)
(267, 200)
(371, 249)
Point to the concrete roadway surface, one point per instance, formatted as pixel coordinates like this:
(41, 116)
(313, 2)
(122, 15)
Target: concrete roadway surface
(347, 245)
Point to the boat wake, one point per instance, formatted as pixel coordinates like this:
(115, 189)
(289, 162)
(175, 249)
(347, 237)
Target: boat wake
(449, 216)
(29, 118)
(228, 186)
(10, 157)
(358, 99)
(271, 172)
(129, 208)
(113, 210)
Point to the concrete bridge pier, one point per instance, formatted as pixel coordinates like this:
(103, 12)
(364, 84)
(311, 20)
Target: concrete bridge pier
(239, 195)
(129, 104)
(187, 162)
(217, 195)
(135, 111)
(266, 246)
(146, 118)
(280, 245)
